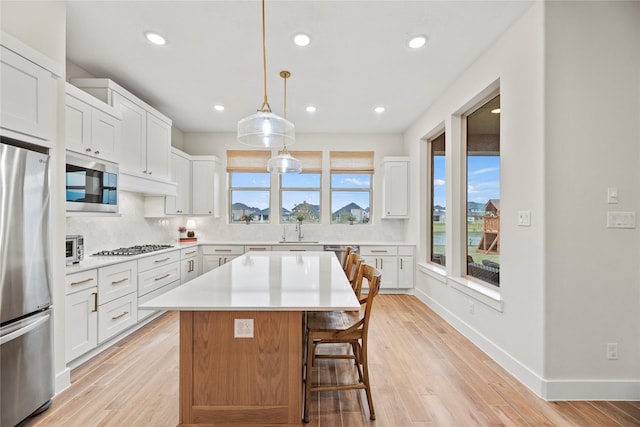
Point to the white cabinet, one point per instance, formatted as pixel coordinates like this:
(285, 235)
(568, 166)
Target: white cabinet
(146, 133)
(81, 313)
(206, 187)
(385, 259)
(117, 288)
(180, 204)
(297, 248)
(116, 316)
(156, 275)
(395, 194)
(92, 127)
(27, 97)
(213, 256)
(117, 280)
(406, 267)
(189, 264)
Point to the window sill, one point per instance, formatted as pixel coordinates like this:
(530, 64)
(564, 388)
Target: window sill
(434, 271)
(479, 292)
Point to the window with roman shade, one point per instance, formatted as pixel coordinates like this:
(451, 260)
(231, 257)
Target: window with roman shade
(351, 175)
(300, 193)
(249, 186)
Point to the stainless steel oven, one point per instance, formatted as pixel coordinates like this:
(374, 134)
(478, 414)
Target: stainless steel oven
(91, 185)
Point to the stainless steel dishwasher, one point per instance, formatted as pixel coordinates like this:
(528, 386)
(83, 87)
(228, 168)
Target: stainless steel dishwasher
(339, 250)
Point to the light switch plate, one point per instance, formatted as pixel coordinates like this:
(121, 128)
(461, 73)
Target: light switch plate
(243, 328)
(524, 218)
(612, 195)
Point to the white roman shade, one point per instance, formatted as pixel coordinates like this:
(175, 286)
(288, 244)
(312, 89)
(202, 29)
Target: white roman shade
(247, 160)
(311, 160)
(351, 161)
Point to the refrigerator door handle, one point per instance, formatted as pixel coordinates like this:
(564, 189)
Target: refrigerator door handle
(33, 324)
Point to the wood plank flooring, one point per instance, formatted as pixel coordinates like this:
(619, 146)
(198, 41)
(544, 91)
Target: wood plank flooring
(424, 373)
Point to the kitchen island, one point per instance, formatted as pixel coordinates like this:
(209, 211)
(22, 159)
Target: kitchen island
(241, 335)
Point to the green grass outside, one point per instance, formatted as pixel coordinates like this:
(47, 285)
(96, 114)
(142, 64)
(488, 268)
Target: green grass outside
(471, 250)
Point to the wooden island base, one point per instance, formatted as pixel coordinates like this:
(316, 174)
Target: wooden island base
(228, 381)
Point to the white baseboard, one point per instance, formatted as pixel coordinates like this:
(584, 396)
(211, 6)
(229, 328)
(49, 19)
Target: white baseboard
(551, 390)
(62, 380)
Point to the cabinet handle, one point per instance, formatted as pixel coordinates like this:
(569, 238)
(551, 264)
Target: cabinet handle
(376, 262)
(88, 150)
(150, 173)
(120, 315)
(297, 250)
(192, 252)
(144, 172)
(193, 265)
(117, 282)
(382, 263)
(162, 260)
(162, 277)
(257, 249)
(379, 251)
(401, 264)
(81, 282)
(95, 301)
(96, 152)
(222, 250)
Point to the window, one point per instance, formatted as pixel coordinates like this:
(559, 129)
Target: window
(300, 193)
(249, 186)
(351, 173)
(483, 192)
(438, 203)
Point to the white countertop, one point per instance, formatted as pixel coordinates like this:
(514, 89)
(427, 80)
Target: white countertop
(265, 281)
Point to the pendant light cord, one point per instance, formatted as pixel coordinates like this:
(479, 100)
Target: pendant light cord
(265, 107)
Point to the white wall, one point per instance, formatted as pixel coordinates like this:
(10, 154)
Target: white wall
(378, 231)
(42, 26)
(569, 130)
(592, 138)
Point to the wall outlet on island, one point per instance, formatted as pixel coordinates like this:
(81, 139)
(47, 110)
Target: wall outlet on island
(243, 328)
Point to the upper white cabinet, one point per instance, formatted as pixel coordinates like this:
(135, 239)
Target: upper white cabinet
(205, 186)
(146, 133)
(395, 194)
(28, 107)
(180, 168)
(92, 127)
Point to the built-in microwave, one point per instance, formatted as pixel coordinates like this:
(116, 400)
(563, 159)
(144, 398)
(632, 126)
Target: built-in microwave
(91, 184)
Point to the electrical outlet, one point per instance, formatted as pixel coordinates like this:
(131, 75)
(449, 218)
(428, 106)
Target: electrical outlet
(243, 328)
(472, 307)
(612, 351)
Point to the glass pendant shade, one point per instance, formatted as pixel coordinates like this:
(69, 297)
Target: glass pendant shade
(266, 130)
(284, 163)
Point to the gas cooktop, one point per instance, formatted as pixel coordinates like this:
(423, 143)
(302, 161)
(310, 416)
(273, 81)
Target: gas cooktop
(133, 250)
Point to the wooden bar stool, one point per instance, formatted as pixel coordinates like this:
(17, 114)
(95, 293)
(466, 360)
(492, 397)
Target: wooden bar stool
(343, 327)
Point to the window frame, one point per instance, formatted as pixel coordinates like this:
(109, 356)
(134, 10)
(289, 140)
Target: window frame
(431, 189)
(351, 163)
(247, 161)
(314, 189)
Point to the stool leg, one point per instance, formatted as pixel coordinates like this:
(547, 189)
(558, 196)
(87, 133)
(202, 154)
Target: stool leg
(307, 383)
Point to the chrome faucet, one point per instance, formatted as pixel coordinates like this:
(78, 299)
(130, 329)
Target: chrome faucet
(299, 230)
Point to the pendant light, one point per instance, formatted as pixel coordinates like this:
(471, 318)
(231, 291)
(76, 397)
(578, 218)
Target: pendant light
(284, 162)
(265, 129)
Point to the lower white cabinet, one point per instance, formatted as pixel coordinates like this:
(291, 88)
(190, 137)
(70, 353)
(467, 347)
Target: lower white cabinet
(81, 314)
(213, 256)
(116, 316)
(117, 280)
(156, 275)
(406, 267)
(189, 265)
(395, 263)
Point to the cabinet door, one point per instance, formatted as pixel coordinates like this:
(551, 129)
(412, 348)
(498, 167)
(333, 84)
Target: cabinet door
(405, 272)
(158, 147)
(388, 267)
(134, 135)
(189, 269)
(27, 101)
(81, 313)
(105, 136)
(395, 197)
(204, 187)
(78, 125)
(209, 262)
(180, 173)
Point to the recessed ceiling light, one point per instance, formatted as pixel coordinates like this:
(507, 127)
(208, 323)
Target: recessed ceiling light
(496, 111)
(301, 39)
(379, 109)
(417, 42)
(218, 107)
(155, 38)
(310, 108)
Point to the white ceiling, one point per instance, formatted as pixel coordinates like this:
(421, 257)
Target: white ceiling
(357, 58)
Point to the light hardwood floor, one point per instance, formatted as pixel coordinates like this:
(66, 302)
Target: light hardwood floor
(424, 373)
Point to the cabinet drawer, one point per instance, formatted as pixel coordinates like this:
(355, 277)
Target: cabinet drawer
(298, 248)
(187, 253)
(378, 250)
(158, 277)
(80, 281)
(116, 316)
(256, 248)
(117, 280)
(405, 250)
(144, 313)
(222, 250)
(159, 260)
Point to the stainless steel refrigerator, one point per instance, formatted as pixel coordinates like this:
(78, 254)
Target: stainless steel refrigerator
(26, 344)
